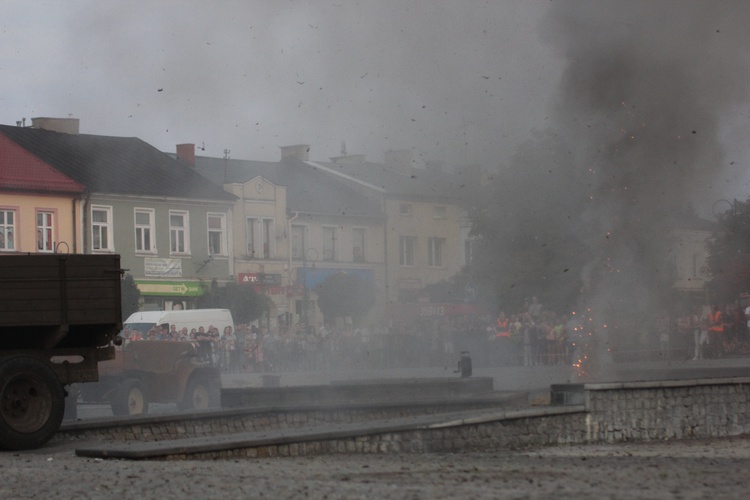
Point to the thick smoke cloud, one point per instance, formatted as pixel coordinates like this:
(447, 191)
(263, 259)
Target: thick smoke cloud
(640, 105)
(646, 86)
(461, 84)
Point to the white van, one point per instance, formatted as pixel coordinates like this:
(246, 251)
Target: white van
(190, 319)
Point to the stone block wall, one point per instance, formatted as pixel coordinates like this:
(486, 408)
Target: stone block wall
(611, 413)
(667, 410)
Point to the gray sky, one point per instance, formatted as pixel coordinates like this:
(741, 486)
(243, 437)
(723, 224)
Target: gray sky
(461, 82)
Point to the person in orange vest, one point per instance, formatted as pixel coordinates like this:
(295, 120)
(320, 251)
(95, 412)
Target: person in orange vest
(503, 326)
(716, 330)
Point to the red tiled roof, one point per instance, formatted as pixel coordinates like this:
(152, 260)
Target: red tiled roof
(116, 165)
(21, 170)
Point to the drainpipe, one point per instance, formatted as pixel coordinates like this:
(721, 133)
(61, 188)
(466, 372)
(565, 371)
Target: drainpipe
(84, 222)
(75, 223)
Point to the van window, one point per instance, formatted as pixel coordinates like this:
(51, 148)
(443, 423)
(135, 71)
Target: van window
(143, 328)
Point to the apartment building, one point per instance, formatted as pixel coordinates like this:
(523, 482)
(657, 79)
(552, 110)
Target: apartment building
(170, 226)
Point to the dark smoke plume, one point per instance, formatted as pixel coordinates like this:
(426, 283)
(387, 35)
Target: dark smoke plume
(640, 103)
(638, 112)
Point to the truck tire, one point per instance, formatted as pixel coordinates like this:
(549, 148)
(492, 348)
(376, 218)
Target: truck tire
(201, 393)
(130, 398)
(32, 402)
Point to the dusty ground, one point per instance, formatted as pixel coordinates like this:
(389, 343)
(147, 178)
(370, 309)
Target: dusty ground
(667, 469)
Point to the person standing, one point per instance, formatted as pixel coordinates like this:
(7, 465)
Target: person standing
(230, 357)
(529, 339)
(663, 326)
(502, 338)
(716, 331)
(535, 310)
(700, 334)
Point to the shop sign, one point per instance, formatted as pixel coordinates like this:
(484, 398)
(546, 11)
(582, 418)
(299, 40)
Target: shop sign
(170, 288)
(259, 279)
(248, 278)
(162, 268)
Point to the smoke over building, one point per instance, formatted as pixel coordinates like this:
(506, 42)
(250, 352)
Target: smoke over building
(636, 138)
(640, 104)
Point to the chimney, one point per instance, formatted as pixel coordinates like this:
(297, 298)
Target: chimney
(186, 153)
(299, 151)
(62, 125)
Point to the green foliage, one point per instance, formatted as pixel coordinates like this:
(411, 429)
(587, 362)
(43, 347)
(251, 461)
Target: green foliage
(130, 296)
(243, 301)
(343, 294)
(728, 259)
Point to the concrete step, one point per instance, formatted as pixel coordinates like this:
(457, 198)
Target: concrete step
(381, 436)
(358, 391)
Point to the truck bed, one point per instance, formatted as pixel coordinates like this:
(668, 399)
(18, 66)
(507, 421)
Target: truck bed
(61, 301)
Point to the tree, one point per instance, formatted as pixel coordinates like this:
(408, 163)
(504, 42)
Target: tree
(527, 229)
(130, 296)
(243, 301)
(345, 294)
(728, 259)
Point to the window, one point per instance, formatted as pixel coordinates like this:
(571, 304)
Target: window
(44, 231)
(435, 252)
(438, 212)
(7, 230)
(267, 235)
(250, 237)
(101, 229)
(179, 235)
(330, 235)
(406, 251)
(260, 243)
(298, 242)
(468, 251)
(404, 209)
(358, 244)
(217, 234)
(144, 230)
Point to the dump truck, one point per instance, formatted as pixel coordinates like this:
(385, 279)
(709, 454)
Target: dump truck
(60, 315)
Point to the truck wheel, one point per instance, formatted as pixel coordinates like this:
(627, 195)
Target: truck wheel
(32, 402)
(130, 398)
(201, 393)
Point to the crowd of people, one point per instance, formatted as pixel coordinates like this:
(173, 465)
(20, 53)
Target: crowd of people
(529, 338)
(715, 332)
(228, 349)
(533, 336)
(536, 336)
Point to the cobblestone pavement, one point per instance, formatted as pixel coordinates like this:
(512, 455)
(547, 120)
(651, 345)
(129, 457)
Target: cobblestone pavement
(665, 469)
